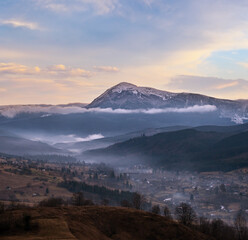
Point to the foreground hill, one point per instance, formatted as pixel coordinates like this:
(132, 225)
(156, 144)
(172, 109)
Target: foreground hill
(202, 149)
(103, 223)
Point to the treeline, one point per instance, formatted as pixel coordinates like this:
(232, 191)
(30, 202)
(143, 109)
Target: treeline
(219, 230)
(104, 193)
(215, 229)
(53, 158)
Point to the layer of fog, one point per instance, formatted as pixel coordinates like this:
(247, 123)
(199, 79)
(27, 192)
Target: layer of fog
(53, 139)
(12, 111)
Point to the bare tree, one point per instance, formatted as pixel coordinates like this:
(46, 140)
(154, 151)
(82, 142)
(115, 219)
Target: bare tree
(138, 200)
(167, 213)
(105, 202)
(2, 207)
(126, 203)
(78, 199)
(240, 224)
(156, 209)
(185, 214)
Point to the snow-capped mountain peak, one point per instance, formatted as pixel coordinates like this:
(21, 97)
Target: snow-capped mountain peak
(130, 96)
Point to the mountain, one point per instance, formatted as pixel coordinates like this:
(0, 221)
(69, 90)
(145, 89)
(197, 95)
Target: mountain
(189, 149)
(42, 110)
(129, 96)
(98, 223)
(228, 154)
(21, 146)
(82, 146)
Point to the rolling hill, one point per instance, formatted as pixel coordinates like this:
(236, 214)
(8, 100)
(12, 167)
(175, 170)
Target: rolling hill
(21, 146)
(200, 149)
(103, 223)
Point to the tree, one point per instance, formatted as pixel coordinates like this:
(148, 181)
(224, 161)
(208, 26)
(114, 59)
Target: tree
(105, 202)
(218, 229)
(2, 207)
(185, 214)
(240, 224)
(138, 200)
(47, 190)
(112, 174)
(126, 203)
(27, 221)
(156, 209)
(223, 187)
(52, 202)
(204, 225)
(167, 213)
(78, 199)
(191, 197)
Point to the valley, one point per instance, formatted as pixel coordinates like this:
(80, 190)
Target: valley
(214, 195)
(193, 150)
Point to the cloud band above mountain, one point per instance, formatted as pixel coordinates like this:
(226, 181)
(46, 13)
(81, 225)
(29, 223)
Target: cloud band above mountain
(12, 111)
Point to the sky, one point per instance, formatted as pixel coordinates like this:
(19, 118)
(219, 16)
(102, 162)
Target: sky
(63, 51)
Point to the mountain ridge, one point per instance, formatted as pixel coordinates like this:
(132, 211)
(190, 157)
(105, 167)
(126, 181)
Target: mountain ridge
(113, 97)
(201, 149)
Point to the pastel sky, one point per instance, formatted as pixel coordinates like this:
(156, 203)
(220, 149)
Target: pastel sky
(61, 51)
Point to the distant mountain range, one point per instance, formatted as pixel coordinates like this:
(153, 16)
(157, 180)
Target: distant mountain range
(128, 96)
(207, 148)
(119, 111)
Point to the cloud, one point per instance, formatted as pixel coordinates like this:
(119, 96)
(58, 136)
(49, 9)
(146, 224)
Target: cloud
(213, 86)
(243, 64)
(59, 67)
(79, 72)
(99, 7)
(227, 85)
(12, 111)
(193, 109)
(3, 90)
(20, 24)
(88, 138)
(63, 138)
(14, 68)
(55, 70)
(153, 42)
(68, 71)
(106, 69)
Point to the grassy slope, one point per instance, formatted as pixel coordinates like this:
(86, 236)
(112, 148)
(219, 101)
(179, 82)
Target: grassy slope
(104, 223)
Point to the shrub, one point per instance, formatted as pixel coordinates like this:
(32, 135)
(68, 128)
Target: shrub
(52, 202)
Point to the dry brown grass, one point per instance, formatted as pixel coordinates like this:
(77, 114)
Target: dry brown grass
(104, 223)
(23, 187)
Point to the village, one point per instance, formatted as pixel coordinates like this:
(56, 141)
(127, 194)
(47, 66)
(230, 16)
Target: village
(211, 194)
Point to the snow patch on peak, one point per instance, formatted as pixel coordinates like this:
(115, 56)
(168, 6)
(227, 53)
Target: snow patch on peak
(124, 86)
